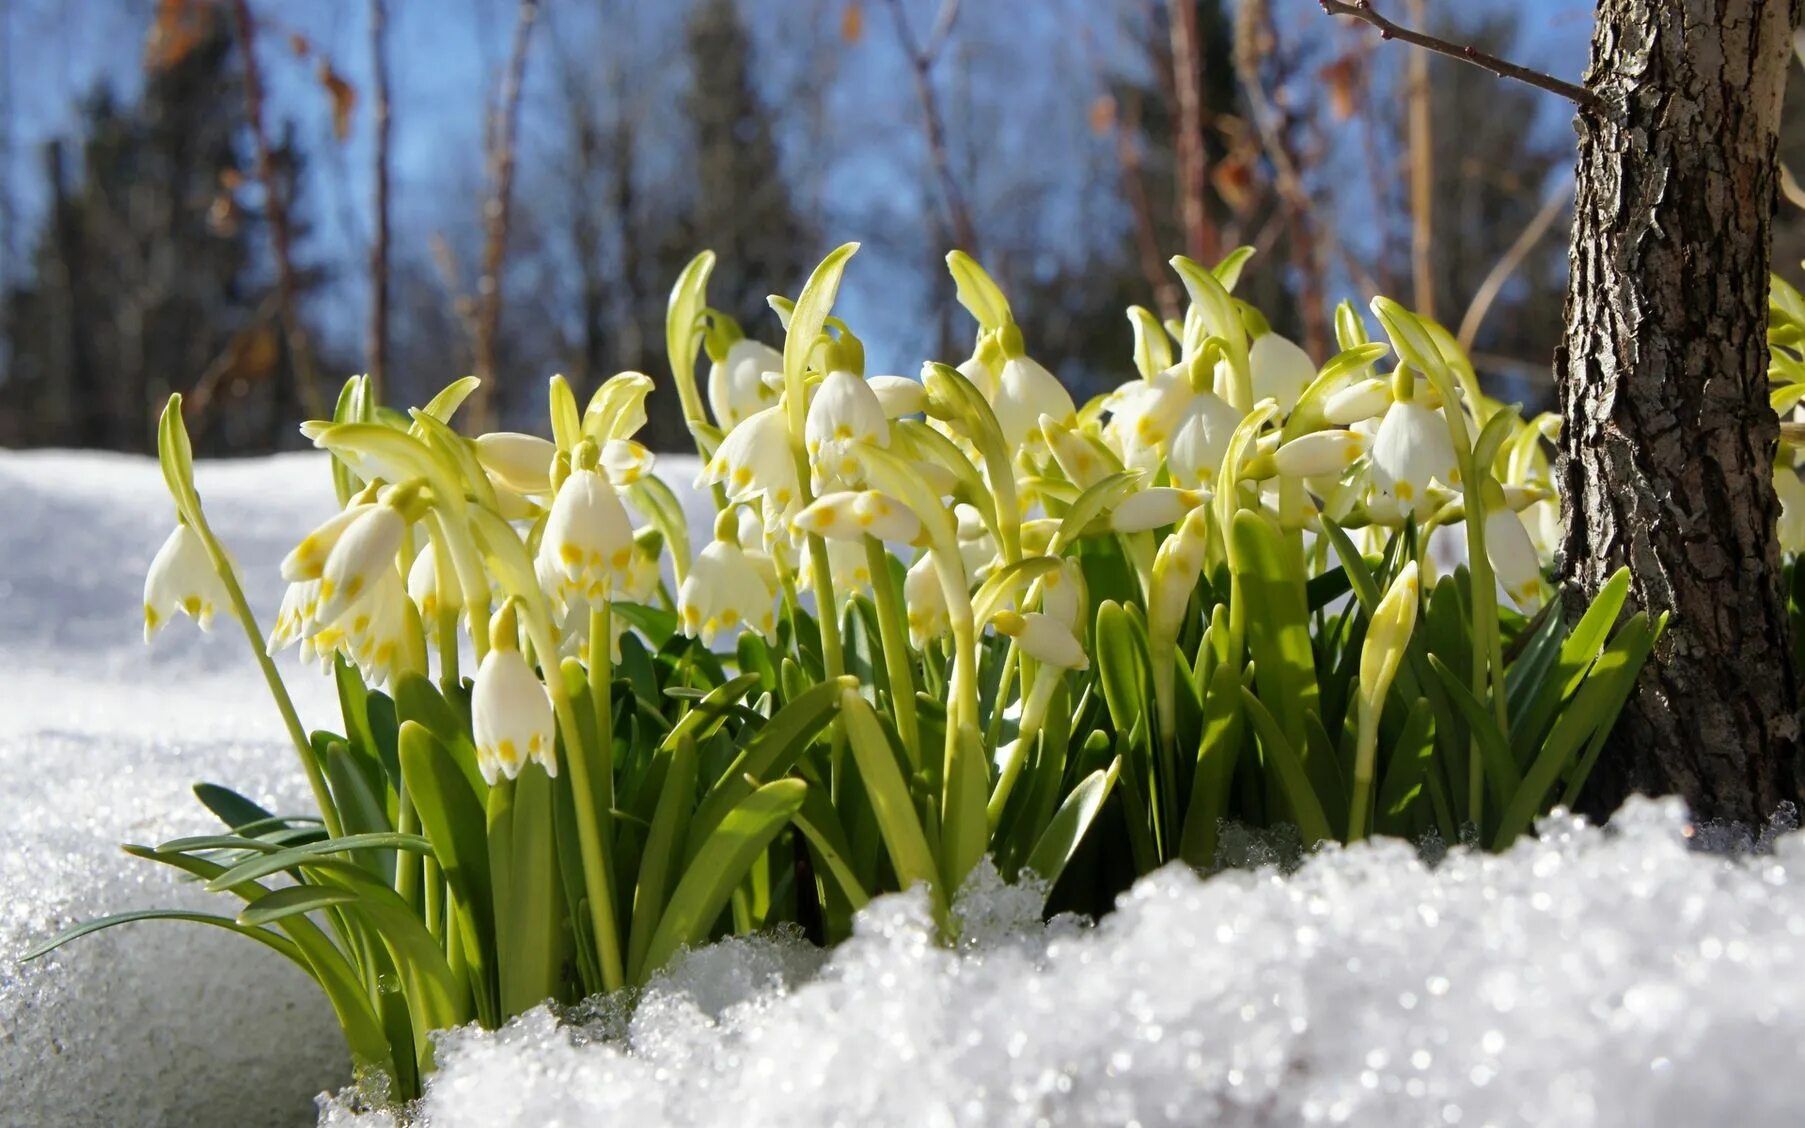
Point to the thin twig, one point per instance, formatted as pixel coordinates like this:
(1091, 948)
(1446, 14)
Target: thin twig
(299, 346)
(495, 217)
(1363, 10)
(1420, 125)
(921, 58)
(1507, 265)
(1193, 166)
(379, 244)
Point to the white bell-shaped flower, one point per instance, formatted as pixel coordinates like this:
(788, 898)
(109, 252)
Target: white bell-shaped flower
(522, 463)
(843, 414)
(624, 462)
(181, 579)
(374, 629)
(755, 461)
(295, 618)
(1025, 392)
(1281, 370)
(899, 395)
(737, 389)
(1155, 507)
(1319, 453)
(364, 554)
(1043, 638)
(423, 588)
(510, 711)
(1145, 414)
(1411, 450)
(1363, 399)
(1083, 460)
(1200, 441)
(307, 560)
(847, 566)
(727, 588)
(925, 599)
(1514, 560)
(1061, 593)
(856, 514)
(977, 548)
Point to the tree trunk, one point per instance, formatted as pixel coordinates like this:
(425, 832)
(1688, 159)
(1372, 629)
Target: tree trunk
(1669, 441)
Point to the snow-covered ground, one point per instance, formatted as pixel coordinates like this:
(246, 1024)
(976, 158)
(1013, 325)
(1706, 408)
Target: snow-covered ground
(1588, 979)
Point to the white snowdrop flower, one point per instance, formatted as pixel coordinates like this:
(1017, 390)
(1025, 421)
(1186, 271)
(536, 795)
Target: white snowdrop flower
(899, 395)
(181, 579)
(522, 463)
(374, 629)
(295, 617)
(1200, 442)
(977, 548)
(1043, 638)
(980, 375)
(925, 599)
(423, 589)
(1387, 636)
(364, 554)
(1514, 560)
(1025, 392)
(1176, 567)
(1145, 414)
(728, 587)
(755, 460)
(1155, 507)
(588, 539)
(855, 514)
(1792, 509)
(843, 414)
(307, 560)
(1319, 453)
(1411, 450)
(736, 385)
(1363, 399)
(847, 565)
(625, 462)
(1082, 460)
(1281, 370)
(510, 711)
(1061, 592)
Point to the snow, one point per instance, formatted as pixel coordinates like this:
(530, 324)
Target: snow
(1615, 977)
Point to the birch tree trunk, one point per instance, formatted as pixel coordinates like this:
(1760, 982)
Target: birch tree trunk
(1669, 439)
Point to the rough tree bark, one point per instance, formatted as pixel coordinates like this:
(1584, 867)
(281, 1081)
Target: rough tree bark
(1669, 439)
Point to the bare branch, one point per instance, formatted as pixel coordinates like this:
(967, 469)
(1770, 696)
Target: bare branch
(299, 346)
(1507, 265)
(1363, 10)
(921, 62)
(495, 217)
(379, 244)
(1193, 162)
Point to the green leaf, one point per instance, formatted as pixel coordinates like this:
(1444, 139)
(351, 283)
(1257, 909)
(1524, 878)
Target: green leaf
(1217, 753)
(1500, 767)
(670, 823)
(810, 314)
(683, 328)
(232, 808)
(1406, 767)
(266, 864)
(1278, 617)
(1070, 823)
(1093, 503)
(1121, 665)
(770, 752)
(1577, 655)
(978, 292)
(1283, 761)
(451, 814)
(291, 900)
(907, 845)
(719, 866)
(821, 826)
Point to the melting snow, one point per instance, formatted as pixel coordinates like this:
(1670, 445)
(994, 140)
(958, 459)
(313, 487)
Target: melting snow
(1590, 978)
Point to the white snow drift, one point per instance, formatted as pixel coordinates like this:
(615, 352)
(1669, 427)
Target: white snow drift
(1590, 978)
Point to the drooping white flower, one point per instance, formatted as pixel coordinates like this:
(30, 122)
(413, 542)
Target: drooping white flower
(588, 539)
(1061, 592)
(363, 555)
(728, 587)
(1145, 414)
(1514, 559)
(736, 385)
(1363, 399)
(373, 631)
(1411, 450)
(522, 463)
(755, 461)
(925, 600)
(977, 548)
(1025, 392)
(423, 588)
(1200, 441)
(1043, 638)
(510, 711)
(847, 565)
(181, 579)
(1155, 507)
(899, 395)
(843, 414)
(307, 560)
(1281, 370)
(1083, 460)
(1319, 453)
(856, 514)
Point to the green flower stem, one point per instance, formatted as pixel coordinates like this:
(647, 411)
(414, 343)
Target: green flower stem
(963, 830)
(893, 632)
(1365, 753)
(601, 694)
(1011, 660)
(408, 869)
(445, 579)
(1034, 712)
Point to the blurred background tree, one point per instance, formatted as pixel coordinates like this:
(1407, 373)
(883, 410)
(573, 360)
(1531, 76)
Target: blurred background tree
(1073, 145)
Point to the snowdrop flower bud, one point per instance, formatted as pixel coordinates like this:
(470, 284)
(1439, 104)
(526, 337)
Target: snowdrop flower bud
(181, 578)
(852, 515)
(843, 413)
(925, 599)
(366, 551)
(522, 463)
(1280, 369)
(755, 460)
(728, 587)
(1364, 399)
(1513, 557)
(1025, 392)
(1411, 450)
(1043, 638)
(1393, 621)
(1319, 453)
(510, 712)
(1079, 459)
(588, 537)
(899, 395)
(1154, 508)
(1200, 442)
(736, 386)
(1176, 567)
